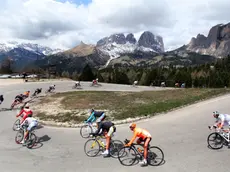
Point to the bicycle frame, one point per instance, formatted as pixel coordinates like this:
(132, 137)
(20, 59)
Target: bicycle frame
(223, 134)
(91, 125)
(137, 151)
(98, 138)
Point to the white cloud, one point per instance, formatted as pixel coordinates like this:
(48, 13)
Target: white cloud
(59, 24)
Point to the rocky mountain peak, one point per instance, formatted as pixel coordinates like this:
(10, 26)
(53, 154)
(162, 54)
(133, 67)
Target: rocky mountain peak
(131, 39)
(114, 38)
(217, 43)
(149, 40)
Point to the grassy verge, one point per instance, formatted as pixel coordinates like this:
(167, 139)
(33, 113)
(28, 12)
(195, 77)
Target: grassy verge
(73, 106)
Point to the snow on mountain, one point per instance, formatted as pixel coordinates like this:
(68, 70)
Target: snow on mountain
(37, 49)
(117, 44)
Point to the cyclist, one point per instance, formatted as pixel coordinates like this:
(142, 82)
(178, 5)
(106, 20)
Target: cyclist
(1, 99)
(19, 98)
(106, 128)
(94, 115)
(95, 81)
(25, 112)
(77, 83)
(221, 120)
(135, 83)
(26, 94)
(37, 91)
(31, 123)
(144, 136)
(52, 87)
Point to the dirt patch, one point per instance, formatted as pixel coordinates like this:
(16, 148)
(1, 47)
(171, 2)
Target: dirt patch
(73, 107)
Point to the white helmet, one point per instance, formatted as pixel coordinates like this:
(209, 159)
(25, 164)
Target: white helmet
(27, 105)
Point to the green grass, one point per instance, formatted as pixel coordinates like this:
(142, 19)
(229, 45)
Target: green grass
(122, 105)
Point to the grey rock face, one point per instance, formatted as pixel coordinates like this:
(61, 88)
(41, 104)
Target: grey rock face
(115, 38)
(217, 43)
(131, 39)
(149, 40)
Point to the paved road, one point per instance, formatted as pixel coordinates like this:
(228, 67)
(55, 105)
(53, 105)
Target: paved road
(181, 134)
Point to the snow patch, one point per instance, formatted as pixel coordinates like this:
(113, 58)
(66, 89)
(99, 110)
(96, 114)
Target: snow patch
(35, 48)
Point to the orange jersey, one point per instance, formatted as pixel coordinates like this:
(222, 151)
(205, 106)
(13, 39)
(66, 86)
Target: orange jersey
(27, 93)
(141, 133)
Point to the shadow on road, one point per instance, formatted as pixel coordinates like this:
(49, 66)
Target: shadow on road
(44, 138)
(39, 141)
(4, 109)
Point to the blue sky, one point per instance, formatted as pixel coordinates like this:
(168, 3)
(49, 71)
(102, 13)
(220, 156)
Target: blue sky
(85, 2)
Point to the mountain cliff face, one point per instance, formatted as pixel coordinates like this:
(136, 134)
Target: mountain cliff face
(217, 43)
(118, 44)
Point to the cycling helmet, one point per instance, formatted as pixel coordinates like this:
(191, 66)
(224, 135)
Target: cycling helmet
(27, 105)
(216, 114)
(132, 125)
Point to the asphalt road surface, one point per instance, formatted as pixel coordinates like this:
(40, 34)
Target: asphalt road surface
(181, 134)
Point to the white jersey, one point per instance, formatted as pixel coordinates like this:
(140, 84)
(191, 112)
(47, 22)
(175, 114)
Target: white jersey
(30, 120)
(225, 118)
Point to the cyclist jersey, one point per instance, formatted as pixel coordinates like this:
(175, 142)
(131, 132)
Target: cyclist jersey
(104, 126)
(97, 114)
(25, 113)
(224, 117)
(26, 93)
(30, 120)
(1, 98)
(93, 116)
(141, 133)
(19, 97)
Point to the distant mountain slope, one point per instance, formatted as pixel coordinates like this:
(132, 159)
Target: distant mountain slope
(24, 53)
(217, 43)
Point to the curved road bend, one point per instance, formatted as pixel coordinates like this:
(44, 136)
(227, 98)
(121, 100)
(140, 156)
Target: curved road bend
(182, 135)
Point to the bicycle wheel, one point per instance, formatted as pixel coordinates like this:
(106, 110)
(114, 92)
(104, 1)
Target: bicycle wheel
(93, 146)
(155, 156)
(85, 131)
(32, 140)
(19, 136)
(115, 147)
(127, 156)
(16, 125)
(215, 141)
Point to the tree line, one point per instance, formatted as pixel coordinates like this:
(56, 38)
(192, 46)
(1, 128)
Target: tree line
(213, 75)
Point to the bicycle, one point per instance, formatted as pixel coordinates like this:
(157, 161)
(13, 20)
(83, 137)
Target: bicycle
(49, 90)
(138, 154)
(16, 125)
(115, 146)
(31, 138)
(89, 128)
(95, 84)
(78, 86)
(15, 102)
(220, 138)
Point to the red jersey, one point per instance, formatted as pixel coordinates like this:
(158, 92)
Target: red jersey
(25, 113)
